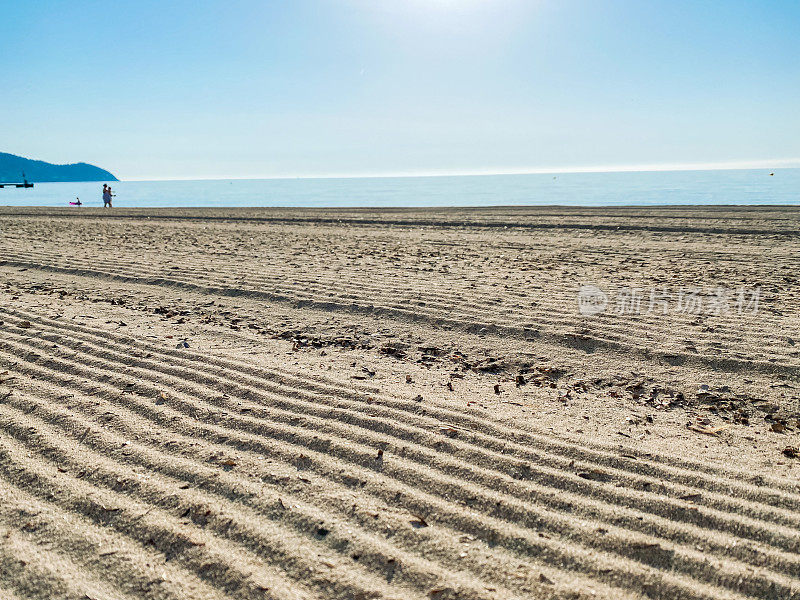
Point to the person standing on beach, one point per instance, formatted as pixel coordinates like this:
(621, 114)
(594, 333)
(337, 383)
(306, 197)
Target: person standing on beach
(106, 196)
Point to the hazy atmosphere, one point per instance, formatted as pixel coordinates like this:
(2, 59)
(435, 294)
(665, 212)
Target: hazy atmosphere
(255, 89)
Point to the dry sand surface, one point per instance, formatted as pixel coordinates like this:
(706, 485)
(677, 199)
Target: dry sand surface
(359, 404)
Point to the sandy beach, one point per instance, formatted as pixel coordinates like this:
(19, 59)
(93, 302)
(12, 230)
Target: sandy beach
(400, 403)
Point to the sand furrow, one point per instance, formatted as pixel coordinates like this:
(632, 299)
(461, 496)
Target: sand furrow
(557, 320)
(36, 572)
(135, 568)
(241, 525)
(272, 495)
(205, 542)
(565, 336)
(416, 222)
(563, 493)
(655, 585)
(768, 586)
(249, 385)
(499, 479)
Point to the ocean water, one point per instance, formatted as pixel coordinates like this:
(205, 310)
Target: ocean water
(570, 189)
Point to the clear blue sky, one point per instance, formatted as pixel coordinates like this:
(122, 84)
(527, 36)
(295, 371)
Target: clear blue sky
(238, 88)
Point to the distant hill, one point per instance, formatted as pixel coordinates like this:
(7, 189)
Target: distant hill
(12, 167)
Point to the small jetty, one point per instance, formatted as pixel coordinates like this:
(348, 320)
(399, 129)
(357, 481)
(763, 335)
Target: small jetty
(20, 184)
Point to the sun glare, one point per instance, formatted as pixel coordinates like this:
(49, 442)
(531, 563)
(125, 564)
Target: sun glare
(455, 5)
(459, 4)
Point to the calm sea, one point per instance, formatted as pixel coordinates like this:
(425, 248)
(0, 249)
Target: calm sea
(575, 189)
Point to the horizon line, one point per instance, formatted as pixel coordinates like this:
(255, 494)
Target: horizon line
(783, 163)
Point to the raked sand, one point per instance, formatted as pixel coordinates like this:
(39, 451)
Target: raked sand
(359, 404)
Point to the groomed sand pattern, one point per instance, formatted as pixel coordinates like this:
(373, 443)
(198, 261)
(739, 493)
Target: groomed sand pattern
(133, 469)
(513, 274)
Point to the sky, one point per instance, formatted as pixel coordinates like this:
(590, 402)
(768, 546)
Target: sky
(240, 88)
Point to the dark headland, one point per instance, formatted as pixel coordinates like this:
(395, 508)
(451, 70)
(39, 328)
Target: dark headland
(12, 167)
